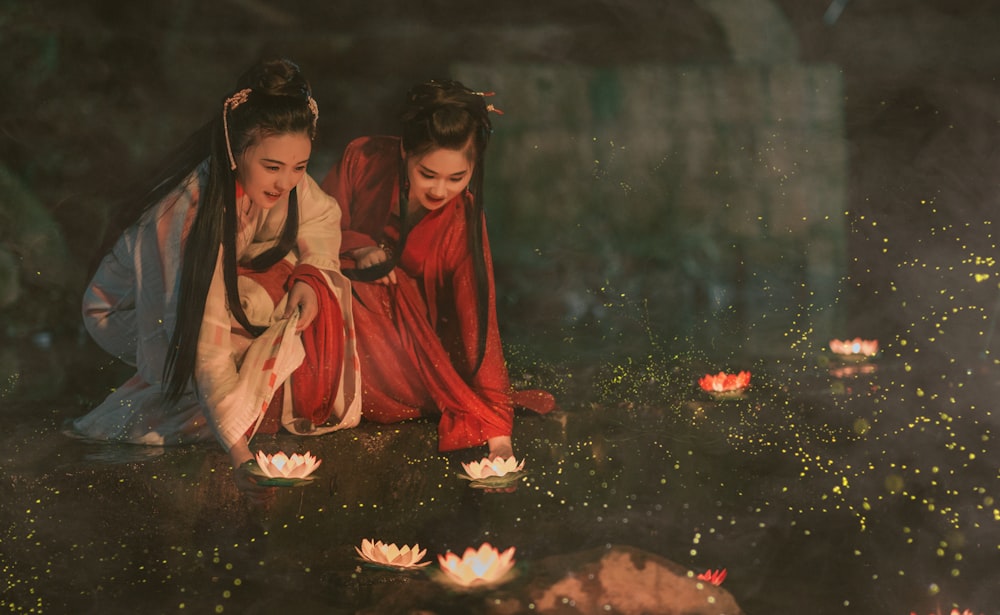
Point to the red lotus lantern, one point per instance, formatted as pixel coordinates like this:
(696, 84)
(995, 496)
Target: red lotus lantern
(725, 386)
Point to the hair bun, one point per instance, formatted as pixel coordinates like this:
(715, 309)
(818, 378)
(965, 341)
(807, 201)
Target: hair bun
(275, 77)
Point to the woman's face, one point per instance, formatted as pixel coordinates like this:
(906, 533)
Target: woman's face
(438, 176)
(272, 167)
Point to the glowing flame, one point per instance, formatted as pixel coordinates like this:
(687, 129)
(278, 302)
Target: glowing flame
(485, 566)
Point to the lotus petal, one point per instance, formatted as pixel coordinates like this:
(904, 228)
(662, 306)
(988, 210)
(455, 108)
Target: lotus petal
(715, 577)
(724, 383)
(487, 467)
(390, 555)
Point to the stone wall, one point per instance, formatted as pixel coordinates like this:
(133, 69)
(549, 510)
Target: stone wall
(703, 191)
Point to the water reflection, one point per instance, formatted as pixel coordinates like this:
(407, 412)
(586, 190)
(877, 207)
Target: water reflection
(817, 487)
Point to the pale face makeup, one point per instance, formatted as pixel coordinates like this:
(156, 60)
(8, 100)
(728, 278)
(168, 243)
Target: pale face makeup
(438, 176)
(270, 169)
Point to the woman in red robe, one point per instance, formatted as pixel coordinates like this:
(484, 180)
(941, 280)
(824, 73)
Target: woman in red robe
(414, 243)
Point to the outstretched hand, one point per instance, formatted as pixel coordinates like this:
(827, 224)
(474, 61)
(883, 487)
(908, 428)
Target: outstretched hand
(370, 256)
(258, 496)
(302, 298)
(501, 446)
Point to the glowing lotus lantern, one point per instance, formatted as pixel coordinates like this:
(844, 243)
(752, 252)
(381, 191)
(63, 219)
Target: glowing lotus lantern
(725, 386)
(953, 612)
(483, 567)
(390, 555)
(496, 472)
(854, 350)
(715, 577)
(281, 469)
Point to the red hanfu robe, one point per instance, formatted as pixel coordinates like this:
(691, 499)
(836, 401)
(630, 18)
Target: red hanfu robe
(418, 339)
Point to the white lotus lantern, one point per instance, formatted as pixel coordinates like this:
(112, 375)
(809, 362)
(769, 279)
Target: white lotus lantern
(854, 350)
(482, 567)
(282, 466)
(492, 467)
(493, 473)
(390, 555)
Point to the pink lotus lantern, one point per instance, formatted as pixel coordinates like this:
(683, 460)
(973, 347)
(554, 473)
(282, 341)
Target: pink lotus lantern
(854, 350)
(725, 386)
(953, 612)
(483, 567)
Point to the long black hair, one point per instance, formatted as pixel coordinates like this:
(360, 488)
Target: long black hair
(446, 114)
(279, 101)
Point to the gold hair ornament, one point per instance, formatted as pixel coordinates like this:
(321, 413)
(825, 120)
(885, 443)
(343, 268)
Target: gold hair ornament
(238, 99)
(231, 103)
(489, 107)
(315, 111)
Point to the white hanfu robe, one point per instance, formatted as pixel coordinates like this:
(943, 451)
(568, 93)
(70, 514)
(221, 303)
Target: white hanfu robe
(130, 309)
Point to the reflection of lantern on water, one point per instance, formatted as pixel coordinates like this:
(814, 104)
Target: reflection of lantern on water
(280, 465)
(854, 350)
(599, 451)
(390, 555)
(725, 386)
(846, 371)
(481, 567)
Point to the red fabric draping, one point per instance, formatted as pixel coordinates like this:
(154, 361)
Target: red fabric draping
(418, 339)
(315, 382)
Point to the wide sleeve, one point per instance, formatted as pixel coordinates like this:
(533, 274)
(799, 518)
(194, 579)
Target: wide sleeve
(215, 369)
(109, 310)
(363, 184)
(319, 235)
(459, 318)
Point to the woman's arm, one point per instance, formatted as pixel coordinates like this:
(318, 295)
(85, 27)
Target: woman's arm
(363, 184)
(461, 335)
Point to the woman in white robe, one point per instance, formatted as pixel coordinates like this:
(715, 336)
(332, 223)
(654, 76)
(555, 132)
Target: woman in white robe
(233, 222)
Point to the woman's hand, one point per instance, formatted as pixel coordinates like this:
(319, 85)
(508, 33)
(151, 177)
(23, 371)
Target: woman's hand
(302, 298)
(370, 256)
(500, 446)
(257, 495)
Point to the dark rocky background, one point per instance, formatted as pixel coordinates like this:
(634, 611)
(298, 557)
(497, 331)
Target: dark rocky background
(96, 92)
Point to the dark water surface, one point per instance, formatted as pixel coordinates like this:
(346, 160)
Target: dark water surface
(869, 489)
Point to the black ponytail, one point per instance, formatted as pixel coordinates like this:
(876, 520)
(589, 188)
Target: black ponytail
(279, 102)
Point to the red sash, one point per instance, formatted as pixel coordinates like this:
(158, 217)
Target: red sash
(316, 381)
